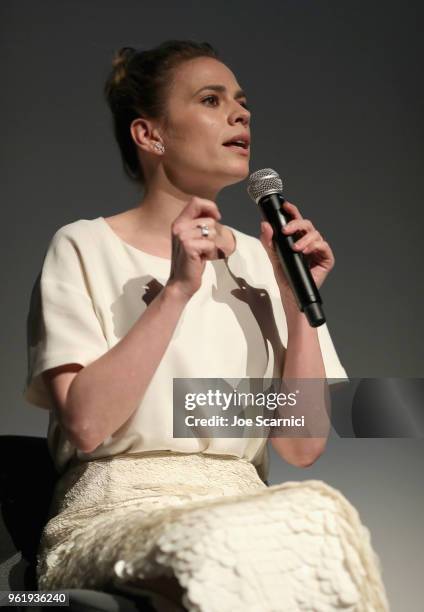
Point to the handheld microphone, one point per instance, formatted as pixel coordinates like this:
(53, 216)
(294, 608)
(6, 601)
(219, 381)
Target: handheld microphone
(265, 188)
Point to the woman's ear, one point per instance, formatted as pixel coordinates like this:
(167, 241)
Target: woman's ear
(141, 131)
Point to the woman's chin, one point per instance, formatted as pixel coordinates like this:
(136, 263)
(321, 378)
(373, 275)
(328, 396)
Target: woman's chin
(238, 171)
(243, 174)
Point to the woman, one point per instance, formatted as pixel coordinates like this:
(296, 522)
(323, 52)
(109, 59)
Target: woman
(164, 291)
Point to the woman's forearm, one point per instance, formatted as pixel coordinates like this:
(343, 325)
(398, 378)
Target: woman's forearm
(105, 394)
(303, 360)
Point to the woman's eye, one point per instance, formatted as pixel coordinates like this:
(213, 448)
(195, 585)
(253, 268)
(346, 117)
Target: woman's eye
(210, 98)
(244, 104)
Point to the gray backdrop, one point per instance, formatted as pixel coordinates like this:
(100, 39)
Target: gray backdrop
(335, 89)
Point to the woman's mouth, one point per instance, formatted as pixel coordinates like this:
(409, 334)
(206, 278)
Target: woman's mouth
(241, 150)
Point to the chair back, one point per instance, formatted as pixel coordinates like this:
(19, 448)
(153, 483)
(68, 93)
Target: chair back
(27, 480)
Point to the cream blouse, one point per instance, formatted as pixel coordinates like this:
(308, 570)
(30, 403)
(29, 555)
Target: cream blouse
(91, 290)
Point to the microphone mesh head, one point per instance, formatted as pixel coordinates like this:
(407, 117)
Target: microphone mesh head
(263, 182)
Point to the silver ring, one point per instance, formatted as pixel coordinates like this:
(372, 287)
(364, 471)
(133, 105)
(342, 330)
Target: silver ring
(204, 228)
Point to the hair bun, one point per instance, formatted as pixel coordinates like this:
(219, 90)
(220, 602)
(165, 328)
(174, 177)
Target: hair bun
(122, 56)
(120, 62)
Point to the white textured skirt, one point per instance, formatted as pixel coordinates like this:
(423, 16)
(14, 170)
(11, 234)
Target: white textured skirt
(209, 521)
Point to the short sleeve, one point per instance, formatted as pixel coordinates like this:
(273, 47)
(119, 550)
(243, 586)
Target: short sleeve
(62, 324)
(334, 371)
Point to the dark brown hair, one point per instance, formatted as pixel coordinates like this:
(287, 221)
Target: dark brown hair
(138, 86)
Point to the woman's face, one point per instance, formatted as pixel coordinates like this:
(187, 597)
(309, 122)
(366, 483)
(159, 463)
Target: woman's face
(199, 120)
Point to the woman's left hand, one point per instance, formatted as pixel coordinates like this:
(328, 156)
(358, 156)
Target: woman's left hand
(317, 252)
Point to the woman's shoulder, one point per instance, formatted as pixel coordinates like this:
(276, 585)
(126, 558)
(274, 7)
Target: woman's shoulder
(79, 235)
(72, 241)
(74, 229)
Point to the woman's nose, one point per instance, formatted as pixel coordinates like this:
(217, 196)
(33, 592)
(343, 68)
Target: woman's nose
(241, 114)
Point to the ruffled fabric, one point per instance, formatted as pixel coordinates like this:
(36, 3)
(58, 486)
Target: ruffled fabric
(232, 543)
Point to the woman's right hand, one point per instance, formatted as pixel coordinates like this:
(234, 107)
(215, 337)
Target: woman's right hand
(191, 250)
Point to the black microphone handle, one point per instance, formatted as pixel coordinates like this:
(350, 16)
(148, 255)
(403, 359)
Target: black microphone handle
(294, 265)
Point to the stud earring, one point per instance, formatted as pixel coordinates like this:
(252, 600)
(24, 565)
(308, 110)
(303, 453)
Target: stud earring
(159, 147)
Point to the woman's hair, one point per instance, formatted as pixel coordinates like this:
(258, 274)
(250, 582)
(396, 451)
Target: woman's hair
(138, 86)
